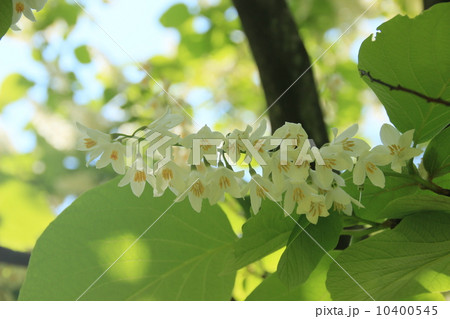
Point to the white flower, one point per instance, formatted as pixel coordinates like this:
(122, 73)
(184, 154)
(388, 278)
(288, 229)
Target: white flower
(197, 190)
(278, 171)
(24, 7)
(137, 177)
(37, 4)
(399, 146)
(367, 163)
(257, 146)
(317, 208)
(207, 141)
(337, 198)
(170, 176)
(300, 193)
(331, 160)
(114, 154)
(345, 142)
(223, 180)
(261, 188)
(234, 145)
(92, 141)
(291, 130)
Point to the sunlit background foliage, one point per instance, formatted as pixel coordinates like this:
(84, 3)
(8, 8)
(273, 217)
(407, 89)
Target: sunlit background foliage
(64, 69)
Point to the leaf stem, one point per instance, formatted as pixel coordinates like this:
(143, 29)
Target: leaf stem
(363, 232)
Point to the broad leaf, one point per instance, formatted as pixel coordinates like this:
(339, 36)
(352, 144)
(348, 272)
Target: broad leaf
(313, 289)
(407, 205)
(413, 53)
(436, 159)
(181, 257)
(411, 259)
(262, 234)
(303, 253)
(6, 11)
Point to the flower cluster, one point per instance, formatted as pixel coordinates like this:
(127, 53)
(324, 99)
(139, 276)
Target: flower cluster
(25, 7)
(291, 170)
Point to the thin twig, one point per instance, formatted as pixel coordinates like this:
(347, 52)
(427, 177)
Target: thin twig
(404, 89)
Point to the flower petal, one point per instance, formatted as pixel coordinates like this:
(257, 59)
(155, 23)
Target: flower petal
(389, 135)
(376, 176)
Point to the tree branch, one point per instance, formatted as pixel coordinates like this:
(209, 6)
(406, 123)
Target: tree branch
(429, 3)
(281, 58)
(14, 257)
(403, 89)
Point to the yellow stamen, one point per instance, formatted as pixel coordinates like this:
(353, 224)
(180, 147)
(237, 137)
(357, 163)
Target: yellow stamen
(167, 174)
(348, 145)
(224, 182)
(20, 7)
(370, 167)
(139, 176)
(317, 208)
(285, 168)
(114, 155)
(261, 191)
(89, 142)
(395, 149)
(338, 207)
(297, 195)
(329, 162)
(197, 189)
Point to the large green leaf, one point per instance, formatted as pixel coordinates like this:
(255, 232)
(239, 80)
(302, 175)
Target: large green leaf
(436, 159)
(6, 11)
(181, 257)
(413, 53)
(411, 259)
(313, 289)
(407, 205)
(302, 253)
(262, 234)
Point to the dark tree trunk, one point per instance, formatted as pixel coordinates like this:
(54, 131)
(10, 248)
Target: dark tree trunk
(281, 58)
(428, 3)
(13, 257)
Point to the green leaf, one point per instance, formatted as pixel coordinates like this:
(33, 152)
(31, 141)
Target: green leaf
(24, 214)
(82, 54)
(13, 88)
(413, 53)
(302, 253)
(407, 205)
(6, 11)
(392, 201)
(313, 289)
(175, 16)
(181, 257)
(436, 159)
(262, 234)
(411, 259)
